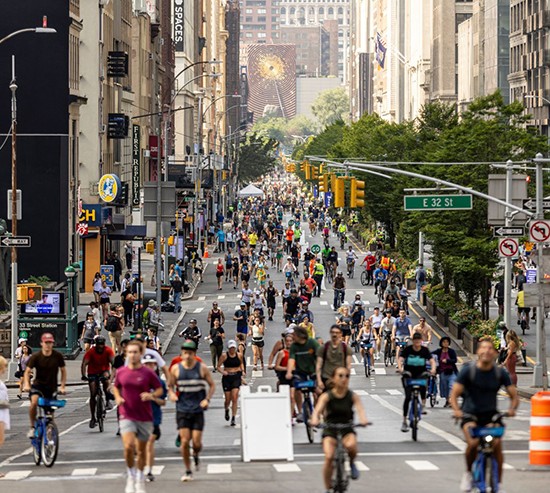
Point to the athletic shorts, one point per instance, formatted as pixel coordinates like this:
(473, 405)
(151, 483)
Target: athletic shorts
(327, 432)
(346, 332)
(142, 429)
(156, 432)
(281, 375)
(191, 421)
(272, 304)
(483, 419)
(258, 343)
(42, 391)
(230, 382)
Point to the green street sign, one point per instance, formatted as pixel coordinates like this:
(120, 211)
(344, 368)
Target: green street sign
(315, 249)
(438, 202)
(24, 334)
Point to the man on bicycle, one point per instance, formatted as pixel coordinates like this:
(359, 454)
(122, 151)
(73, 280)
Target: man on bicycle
(318, 274)
(401, 331)
(97, 364)
(46, 363)
(291, 306)
(339, 286)
(380, 279)
(351, 256)
(289, 269)
(479, 383)
(370, 262)
(413, 360)
(393, 291)
(332, 261)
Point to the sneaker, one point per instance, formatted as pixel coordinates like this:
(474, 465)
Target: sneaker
(424, 411)
(300, 418)
(500, 488)
(354, 470)
(197, 461)
(188, 476)
(233, 421)
(140, 486)
(178, 442)
(404, 428)
(466, 482)
(108, 405)
(150, 478)
(92, 423)
(130, 485)
(227, 414)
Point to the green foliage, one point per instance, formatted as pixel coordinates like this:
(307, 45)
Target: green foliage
(256, 157)
(284, 130)
(331, 106)
(40, 280)
(466, 315)
(322, 144)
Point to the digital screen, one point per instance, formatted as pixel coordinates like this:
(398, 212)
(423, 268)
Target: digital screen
(51, 303)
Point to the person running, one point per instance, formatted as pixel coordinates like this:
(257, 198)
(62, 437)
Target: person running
(367, 335)
(215, 313)
(280, 367)
(89, 330)
(231, 366)
(220, 272)
(241, 316)
(479, 383)
(376, 321)
(337, 406)
(135, 387)
(97, 364)
(257, 331)
(191, 378)
(345, 321)
(46, 363)
(157, 403)
(271, 295)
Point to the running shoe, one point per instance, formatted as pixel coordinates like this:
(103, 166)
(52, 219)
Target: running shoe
(140, 485)
(150, 478)
(130, 485)
(404, 428)
(354, 471)
(233, 421)
(188, 476)
(227, 414)
(466, 482)
(197, 462)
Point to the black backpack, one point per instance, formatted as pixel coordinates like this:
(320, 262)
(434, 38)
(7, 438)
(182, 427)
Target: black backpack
(112, 324)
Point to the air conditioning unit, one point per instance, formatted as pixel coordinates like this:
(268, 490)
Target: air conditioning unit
(93, 188)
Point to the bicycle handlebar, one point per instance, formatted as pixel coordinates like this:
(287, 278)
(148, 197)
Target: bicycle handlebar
(342, 426)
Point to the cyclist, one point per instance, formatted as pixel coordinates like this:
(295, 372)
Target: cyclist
(325, 253)
(357, 315)
(337, 406)
(289, 269)
(304, 311)
(413, 360)
(376, 322)
(479, 383)
(351, 256)
(380, 280)
(393, 291)
(291, 306)
(332, 261)
(47, 363)
(370, 262)
(401, 331)
(425, 330)
(302, 361)
(339, 286)
(97, 363)
(342, 229)
(367, 335)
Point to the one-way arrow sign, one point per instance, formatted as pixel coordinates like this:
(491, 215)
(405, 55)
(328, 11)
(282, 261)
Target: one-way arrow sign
(15, 241)
(509, 231)
(531, 204)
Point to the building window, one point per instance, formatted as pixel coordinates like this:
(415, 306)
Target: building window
(261, 19)
(248, 35)
(262, 35)
(248, 11)
(74, 62)
(261, 11)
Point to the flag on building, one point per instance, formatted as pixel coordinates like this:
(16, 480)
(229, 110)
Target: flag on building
(380, 49)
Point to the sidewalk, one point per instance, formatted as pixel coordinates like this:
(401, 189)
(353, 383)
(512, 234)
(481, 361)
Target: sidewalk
(524, 373)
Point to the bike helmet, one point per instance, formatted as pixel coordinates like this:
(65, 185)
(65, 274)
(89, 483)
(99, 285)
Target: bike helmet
(89, 314)
(99, 340)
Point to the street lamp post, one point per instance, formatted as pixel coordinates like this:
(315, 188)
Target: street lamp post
(13, 88)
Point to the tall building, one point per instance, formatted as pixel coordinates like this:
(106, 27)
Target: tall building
(259, 21)
(309, 12)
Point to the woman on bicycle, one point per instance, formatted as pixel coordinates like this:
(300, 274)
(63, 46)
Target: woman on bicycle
(337, 406)
(367, 335)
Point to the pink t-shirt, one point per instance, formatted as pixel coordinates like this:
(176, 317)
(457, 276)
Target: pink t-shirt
(131, 384)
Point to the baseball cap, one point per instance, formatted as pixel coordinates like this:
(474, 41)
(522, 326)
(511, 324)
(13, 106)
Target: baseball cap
(189, 345)
(21, 339)
(47, 337)
(231, 344)
(289, 330)
(148, 358)
(417, 335)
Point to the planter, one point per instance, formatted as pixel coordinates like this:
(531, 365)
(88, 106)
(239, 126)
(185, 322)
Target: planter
(469, 342)
(442, 316)
(410, 284)
(430, 306)
(456, 328)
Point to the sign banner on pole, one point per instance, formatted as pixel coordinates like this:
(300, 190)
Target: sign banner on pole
(136, 164)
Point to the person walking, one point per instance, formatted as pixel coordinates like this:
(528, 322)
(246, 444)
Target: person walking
(104, 300)
(4, 404)
(420, 277)
(512, 347)
(23, 354)
(134, 388)
(117, 264)
(128, 253)
(96, 286)
(177, 288)
(446, 368)
(216, 336)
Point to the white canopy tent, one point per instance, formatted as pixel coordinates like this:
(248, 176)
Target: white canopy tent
(251, 191)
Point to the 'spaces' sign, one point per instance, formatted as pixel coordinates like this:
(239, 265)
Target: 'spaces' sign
(178, 25)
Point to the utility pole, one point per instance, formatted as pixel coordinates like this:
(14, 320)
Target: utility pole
(198, 175)
(508, 261)
(420, 248)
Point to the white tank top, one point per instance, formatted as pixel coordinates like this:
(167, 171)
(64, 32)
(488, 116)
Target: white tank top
(376, 320)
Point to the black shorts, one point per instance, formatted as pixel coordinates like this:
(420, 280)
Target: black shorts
(346, 332)
(156, 432)
(219, 274)
(87, 340)
(258, 343)
(483, 419)
(230, 382)
(42, 391)
(191, 421)
(327, 432)
(104, 301)
(281, 376)
(271, 304)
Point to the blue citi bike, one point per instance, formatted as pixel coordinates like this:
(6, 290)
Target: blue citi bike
(45, 442)
(431, 391)
(367, 358)
(307, 388)
(415, 407)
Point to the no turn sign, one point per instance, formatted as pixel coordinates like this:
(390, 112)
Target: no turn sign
(508, 247)
(539, 231)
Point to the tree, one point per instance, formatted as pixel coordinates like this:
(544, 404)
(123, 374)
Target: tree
(256, 157)
(330, 106)
(285, 130)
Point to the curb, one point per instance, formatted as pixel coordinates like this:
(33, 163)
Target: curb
(524, 392)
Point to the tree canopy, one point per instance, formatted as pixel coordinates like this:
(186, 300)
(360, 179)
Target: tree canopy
(256, 157)
(330, 106)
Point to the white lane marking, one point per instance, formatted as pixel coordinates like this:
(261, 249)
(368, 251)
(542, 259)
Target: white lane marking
(25, 404)
(422, 465)
(352, 372)
(452, 439)
(380, 371)
(157, 470)
(360, 466)
(323, 303)
(355, 360)
(248, 360)
(361, 392)
(16, 475)
(84, 471)
(257, 373)
(218, 469)
(394, 392)
(198, 310)
(359, 292)
(201, 298)
(237, 441)
(287, 467)
(221, 296)
(507, 466)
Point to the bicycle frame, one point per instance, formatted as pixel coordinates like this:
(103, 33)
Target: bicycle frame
(45, 419)
(306, 387)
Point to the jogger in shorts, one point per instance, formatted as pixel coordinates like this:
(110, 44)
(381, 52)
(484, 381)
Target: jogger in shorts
(133, 395)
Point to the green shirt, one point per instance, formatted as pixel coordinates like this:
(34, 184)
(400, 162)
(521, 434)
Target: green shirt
(319, 270)
(305, 355)
(325, 252)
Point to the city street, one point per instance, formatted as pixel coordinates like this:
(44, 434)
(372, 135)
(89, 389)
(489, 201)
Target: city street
(388, 460)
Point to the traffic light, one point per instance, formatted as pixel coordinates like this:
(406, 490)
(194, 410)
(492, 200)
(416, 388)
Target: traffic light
(339, 192)
(306, 167)
(323, 183)
(34, 293)
(314, 173)
(292, 168)
(357, 194)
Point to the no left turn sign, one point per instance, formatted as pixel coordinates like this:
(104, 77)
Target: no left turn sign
(508, 247)
(539, 231)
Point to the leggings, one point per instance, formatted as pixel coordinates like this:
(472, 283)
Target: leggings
(408, 397)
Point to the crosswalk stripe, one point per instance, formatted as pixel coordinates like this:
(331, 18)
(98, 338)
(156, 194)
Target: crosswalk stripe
(237, 441)
(359, 292)
(157, 470)
(248, 360)
(15, 475)
(355, 360)
(257, 373)
(198, 310)
(218, 469)
(422, 465)
(287, 467)
(25, 404)
(507, 466)
(394, 392)
(221, 297)
(380, 371)
(323, 303)
(201, 298)
(84, 471)
(361, 392)
(360, 466)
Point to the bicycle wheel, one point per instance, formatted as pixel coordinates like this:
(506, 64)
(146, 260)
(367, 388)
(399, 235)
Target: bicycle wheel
(36, 446)
(50, 444)
(307, 409)
(364, 278)
(100, 411)
(387, 354)
(414, 420)
(339, 485)
(523, 325)
(491, 475)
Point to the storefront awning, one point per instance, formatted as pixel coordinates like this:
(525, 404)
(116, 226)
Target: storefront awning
(130, 232)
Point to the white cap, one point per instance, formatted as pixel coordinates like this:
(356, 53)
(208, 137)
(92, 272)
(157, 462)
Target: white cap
(231, 344)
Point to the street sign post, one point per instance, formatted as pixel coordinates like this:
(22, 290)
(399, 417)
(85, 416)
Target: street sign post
(539, 231)
(15, 241)
(107, 273)
(508, 247)
(438, 202)
(509, 231)
(315, 249)
(531, 204)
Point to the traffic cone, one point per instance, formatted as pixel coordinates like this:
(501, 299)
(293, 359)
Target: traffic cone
(206, 254)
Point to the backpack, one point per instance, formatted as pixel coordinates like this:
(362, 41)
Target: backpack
(325, 350)
(472, 372)
(112, 324)
(421, 276)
